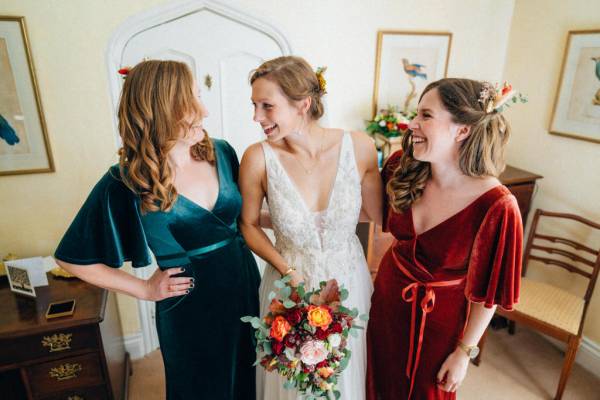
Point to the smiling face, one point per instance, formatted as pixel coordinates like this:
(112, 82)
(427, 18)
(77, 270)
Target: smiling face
(435, 136)
(277, 116)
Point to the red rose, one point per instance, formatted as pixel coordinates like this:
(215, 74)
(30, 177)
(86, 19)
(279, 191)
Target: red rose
(322, 364)
(402, 126)
(290, 341)
(294, 316)
(336, 328)
(321, 334)
(277, 347)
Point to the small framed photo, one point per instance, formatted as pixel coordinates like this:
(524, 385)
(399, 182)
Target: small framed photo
(24, 145)
(576, 111)
(406, 63)
(19, 280)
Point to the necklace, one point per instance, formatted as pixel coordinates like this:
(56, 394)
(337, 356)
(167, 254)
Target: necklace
(309, 170)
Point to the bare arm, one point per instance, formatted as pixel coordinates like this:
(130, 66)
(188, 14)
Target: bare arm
(252, 184)
(454, 369)
(371, 187)
(159, 286)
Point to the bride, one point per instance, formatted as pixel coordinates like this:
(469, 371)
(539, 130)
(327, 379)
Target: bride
(318, 182)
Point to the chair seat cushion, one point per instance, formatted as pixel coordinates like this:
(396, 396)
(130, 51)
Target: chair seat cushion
(551, 305)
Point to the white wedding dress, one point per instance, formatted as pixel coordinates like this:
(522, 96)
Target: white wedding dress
(320, 245)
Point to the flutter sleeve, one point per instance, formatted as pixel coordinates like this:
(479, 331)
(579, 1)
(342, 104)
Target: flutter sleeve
(107, 229)
(386, 174)
(494, 274)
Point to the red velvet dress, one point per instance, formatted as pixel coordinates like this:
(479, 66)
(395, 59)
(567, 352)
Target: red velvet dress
(424, 284)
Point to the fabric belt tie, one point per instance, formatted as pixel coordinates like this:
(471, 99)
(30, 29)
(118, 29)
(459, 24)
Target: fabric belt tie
(410, 294)
(167, 260)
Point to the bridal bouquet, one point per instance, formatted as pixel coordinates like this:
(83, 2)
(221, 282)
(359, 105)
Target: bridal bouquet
(304, 337)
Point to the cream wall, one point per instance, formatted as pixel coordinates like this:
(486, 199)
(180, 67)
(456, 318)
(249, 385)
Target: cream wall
(571, 168)
(68, 42)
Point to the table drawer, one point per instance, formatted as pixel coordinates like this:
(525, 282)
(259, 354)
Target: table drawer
(64, 374)
(91, 393)
(61, 343)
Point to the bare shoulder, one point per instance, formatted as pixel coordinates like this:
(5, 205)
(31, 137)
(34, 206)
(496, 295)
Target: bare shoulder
(364, 148)
(253, 159)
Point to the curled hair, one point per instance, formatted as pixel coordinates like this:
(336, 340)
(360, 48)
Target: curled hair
(480, 154)
(156, 103)
(296, 79)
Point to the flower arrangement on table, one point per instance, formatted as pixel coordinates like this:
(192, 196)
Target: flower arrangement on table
(387, 128)
(304, 337)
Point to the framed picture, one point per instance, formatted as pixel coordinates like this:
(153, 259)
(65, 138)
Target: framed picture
(576, 111)
(24, 146)
(19, 280)
(406, 63)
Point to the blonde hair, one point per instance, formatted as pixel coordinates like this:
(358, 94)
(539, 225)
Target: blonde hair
(157, 98)
(480, 154)
(296, 79)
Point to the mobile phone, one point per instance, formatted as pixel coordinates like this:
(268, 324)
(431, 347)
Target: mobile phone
(60, 308)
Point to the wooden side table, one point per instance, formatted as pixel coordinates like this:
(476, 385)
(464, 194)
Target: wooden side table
(70, 358)
(520, 182)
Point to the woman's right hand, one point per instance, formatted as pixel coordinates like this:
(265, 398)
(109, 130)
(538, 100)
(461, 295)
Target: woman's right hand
(162, 284)
(297, 278)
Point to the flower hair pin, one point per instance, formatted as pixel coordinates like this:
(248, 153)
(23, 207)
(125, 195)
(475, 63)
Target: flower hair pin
(322, 82)
(498, 99)
(124, 71)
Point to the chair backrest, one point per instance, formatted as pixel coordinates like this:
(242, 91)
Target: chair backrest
(585, 261)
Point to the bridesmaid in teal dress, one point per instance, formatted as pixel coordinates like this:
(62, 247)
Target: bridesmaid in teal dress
(174, 193)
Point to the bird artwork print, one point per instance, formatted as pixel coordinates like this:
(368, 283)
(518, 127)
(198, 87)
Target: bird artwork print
(412, 70)
(596, 100)
(7, 132)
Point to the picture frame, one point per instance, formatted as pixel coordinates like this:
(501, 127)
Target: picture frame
(406, 62)
(20, 281)
(576, 111)
(24, 144)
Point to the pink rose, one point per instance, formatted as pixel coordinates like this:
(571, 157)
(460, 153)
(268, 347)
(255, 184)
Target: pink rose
(313, 352)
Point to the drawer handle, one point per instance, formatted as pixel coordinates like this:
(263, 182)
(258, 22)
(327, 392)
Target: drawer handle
(60, 342)
(65, 371)
(75, 397)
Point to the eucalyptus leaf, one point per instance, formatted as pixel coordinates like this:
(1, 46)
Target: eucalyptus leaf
(363, 317)
(279, 284)
(289, 304)
(343, 294)
(247, 318)
(272, 295)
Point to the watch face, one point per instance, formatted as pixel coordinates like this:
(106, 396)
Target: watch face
(474, 352)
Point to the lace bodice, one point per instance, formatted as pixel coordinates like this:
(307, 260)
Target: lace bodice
(322, 244)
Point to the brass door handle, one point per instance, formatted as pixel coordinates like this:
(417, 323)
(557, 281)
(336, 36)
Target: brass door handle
(65, 371)
(58, 342)
(208, 81)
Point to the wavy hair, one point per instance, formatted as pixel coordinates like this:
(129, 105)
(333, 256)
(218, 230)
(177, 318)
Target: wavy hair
(296, 79)
(480, 154)
(156, 103)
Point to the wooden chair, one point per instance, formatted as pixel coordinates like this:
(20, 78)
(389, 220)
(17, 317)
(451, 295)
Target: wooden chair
(549, 309)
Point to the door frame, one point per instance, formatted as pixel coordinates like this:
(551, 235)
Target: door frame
(114, 56)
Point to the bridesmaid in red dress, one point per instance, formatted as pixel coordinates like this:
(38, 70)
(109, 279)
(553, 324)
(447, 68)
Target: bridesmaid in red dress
(457, 253)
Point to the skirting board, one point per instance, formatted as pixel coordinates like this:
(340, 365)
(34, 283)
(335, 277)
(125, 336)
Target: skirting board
(588, 355)
(134, 345)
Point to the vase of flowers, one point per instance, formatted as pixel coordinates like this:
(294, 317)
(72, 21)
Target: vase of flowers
(387, 129)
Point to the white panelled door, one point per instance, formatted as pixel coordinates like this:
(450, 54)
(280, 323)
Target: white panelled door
(222, 45)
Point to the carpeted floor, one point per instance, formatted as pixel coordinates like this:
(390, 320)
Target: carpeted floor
(520, 367)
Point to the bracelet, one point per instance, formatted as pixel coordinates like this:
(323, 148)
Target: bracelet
(288, 271)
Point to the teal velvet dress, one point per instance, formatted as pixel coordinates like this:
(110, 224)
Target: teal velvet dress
(207, 351)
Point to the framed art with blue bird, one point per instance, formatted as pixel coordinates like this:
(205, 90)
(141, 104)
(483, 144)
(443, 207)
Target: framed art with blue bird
(576, 111)
(406, 62)
(24, 145)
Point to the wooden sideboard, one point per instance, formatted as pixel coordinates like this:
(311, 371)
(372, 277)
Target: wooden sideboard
(69, 358)
(520, 182)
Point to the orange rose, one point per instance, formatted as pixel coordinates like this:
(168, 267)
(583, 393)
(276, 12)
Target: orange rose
(325, 372)
(319, 317)
(280, 328)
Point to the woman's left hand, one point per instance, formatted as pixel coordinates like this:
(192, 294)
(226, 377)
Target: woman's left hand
(453, 371)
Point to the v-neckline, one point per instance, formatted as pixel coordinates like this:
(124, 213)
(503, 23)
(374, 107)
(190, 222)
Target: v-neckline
(214, 207)
(295, 188)
(412, 221)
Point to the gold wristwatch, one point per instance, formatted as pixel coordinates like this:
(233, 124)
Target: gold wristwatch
(472, 351)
